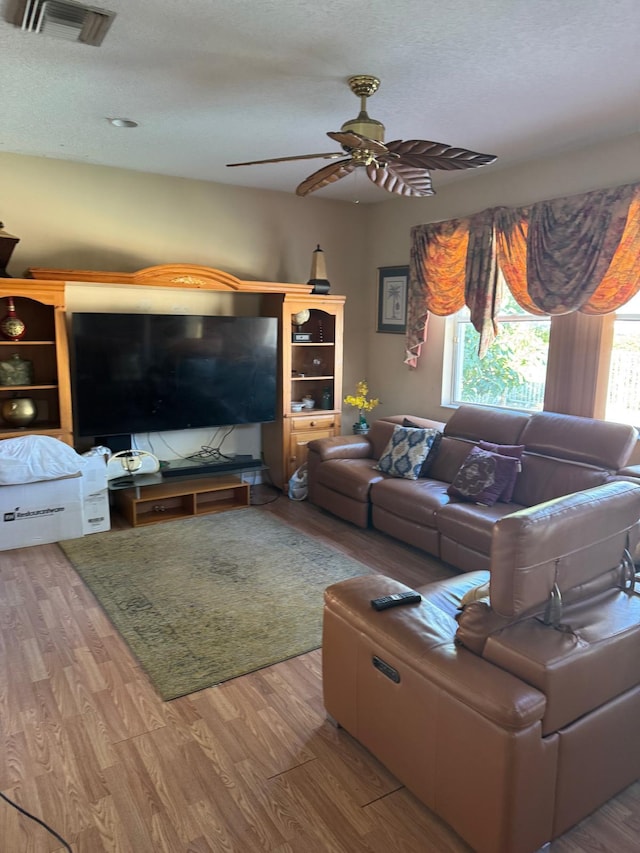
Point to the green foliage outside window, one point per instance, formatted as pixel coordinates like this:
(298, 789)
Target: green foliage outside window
(512, 373)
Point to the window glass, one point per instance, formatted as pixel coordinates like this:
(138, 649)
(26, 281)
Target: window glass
(512, 373)
(623, 397)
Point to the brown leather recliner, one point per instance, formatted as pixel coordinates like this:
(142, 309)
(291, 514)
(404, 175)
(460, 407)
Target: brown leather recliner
(516, 716)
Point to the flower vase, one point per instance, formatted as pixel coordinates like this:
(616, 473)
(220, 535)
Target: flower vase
(360, 427)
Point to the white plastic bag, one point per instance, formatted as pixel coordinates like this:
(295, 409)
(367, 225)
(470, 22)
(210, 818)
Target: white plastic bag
(32, 458)
(298, 484)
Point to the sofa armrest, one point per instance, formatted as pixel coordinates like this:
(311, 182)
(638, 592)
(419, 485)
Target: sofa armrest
(341, 447)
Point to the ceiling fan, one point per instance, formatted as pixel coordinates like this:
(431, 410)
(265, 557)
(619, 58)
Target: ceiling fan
(400, 167)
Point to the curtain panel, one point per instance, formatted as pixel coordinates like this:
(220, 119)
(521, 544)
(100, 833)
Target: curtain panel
(578, 253)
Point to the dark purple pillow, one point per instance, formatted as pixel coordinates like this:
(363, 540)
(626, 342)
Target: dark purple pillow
(514, 450)
(483, 476)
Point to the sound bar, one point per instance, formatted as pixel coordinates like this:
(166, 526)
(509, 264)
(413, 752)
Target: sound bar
(195, 467)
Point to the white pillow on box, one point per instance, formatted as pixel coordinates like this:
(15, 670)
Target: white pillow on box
(32, 458)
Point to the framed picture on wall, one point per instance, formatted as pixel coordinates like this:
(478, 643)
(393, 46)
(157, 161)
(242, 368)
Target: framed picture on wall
(393, 289)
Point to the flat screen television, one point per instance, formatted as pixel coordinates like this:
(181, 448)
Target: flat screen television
(134, 373)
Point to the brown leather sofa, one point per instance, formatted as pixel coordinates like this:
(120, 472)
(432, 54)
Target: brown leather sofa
(517, 715)
(563, 454)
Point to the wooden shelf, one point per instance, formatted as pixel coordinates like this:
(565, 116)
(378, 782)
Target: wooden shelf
(307, 368)
(40, 305)
(181, 499)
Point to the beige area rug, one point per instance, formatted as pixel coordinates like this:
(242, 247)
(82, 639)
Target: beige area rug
(202, 600)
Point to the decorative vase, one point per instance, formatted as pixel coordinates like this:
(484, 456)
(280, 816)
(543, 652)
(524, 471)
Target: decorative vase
(19, 411)
(360, 428)
(318, 276)
(11, 326)
(7, 245)
(326, 400)
(16, 371)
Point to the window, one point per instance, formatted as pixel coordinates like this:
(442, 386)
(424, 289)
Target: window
(512, 373)
(623, 395)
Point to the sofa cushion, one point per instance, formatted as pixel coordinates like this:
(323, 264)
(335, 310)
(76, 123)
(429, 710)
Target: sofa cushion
(514, 450)
(406, 451)
(451, 454)
(476, 423)
(350, 477)
(484, 476)
(471, 524)
(590, 661)
(545, 478)
(418, 501)
(592, 442)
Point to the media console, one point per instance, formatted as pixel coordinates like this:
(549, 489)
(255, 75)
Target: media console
(149, 504)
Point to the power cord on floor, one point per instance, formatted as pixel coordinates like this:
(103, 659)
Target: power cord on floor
(266, 474)
(37, 820)
(254, 502)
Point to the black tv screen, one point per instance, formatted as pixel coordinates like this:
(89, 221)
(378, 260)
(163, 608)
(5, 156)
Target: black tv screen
(136, 373)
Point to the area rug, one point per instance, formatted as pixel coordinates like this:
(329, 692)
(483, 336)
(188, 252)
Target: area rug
(202, 600)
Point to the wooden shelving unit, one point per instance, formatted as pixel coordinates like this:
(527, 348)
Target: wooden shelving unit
(40, 305)
(142, 505)
(306, 368)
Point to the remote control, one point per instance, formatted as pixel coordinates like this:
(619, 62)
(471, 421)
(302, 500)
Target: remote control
(394, 600)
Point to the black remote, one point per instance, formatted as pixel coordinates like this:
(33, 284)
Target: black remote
(394, 600)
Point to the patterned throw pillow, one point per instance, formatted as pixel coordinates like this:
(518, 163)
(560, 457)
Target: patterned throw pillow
(515, 450)
(433, 450)
(483, 476)
(406, 451)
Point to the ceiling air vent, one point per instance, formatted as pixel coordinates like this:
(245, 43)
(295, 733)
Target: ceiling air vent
(63, 19)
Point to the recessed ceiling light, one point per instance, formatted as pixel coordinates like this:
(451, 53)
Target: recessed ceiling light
(122, 122)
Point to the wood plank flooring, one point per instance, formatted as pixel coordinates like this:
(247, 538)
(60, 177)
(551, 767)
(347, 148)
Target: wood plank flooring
(249, 765)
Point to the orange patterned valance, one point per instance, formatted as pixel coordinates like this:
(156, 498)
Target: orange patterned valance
(579, 253)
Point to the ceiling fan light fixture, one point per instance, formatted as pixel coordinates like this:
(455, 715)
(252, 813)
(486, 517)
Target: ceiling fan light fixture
(399, 167)
(365, 126)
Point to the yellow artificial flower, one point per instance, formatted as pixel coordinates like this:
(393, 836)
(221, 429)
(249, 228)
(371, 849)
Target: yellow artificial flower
(361, 401)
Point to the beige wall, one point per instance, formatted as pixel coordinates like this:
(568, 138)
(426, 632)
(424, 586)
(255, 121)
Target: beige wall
(72, 215)
(419, 391)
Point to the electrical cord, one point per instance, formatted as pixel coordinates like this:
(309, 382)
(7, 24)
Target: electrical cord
(210, 451)
(206, 452)
(37, 820)
(269, 484)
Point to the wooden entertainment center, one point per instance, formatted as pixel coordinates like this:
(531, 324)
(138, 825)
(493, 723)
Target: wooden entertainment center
(309, 365)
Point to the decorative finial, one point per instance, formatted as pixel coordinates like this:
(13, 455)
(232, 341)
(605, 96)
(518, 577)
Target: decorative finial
(7, 245)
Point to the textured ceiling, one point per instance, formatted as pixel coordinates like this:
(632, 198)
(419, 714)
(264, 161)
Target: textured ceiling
(217, 82)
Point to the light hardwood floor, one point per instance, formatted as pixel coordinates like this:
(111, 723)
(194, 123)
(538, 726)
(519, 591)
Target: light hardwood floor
(249, 765)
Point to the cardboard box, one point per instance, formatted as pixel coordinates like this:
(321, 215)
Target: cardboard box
(39, 513)
(96, 515)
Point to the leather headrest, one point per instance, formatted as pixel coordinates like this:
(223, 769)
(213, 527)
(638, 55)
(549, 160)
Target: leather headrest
(569, 541)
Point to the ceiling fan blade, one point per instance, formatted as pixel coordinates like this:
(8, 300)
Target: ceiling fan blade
(351, 140)
(327, 175)
(331, 156)
(400, 178)
(436, 155)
